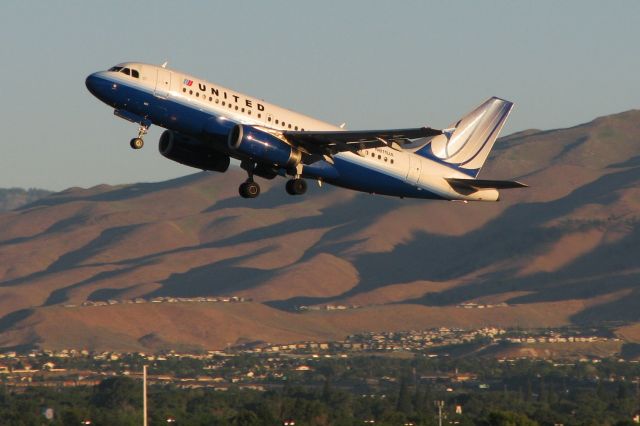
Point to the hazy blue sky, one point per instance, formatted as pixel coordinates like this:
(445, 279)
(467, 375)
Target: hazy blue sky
(372, 64)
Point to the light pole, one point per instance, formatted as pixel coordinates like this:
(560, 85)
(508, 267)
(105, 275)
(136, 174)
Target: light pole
(440, 405)
(144, 395)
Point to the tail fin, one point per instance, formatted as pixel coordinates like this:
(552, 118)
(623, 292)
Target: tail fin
(467, 144)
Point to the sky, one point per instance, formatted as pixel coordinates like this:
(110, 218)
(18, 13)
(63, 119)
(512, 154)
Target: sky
(371, 64)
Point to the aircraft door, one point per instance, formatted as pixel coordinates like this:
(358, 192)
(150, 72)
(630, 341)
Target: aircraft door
(163, 83)
(415, 166)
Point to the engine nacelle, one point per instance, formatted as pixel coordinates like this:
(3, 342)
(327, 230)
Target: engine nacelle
(263, 147)
(191, 152)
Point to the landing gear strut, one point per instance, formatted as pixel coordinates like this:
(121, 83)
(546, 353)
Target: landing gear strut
(296, 186)
(137, 143)
(249, 189)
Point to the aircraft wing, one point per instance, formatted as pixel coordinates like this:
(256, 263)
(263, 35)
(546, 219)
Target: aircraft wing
(332, 142)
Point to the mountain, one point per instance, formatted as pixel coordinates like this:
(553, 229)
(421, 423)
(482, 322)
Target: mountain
(12, 198)
(564, 251)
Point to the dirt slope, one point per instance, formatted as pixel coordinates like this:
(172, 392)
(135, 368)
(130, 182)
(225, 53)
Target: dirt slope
(564, 250)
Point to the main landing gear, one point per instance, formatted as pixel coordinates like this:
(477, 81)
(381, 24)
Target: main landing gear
(249, 189)
(137, 143)
(296, 186)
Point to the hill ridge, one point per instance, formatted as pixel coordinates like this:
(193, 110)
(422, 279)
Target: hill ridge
(569, 241)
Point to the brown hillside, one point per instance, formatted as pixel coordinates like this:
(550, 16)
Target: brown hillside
(564, 250)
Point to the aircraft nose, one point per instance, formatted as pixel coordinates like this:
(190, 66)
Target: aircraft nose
(93, 82)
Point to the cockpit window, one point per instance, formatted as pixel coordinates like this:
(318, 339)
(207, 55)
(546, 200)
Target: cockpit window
(128, 71)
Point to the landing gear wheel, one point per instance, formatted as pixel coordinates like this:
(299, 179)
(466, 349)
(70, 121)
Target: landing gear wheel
(136, 143)
(296, 186)
(249, 189)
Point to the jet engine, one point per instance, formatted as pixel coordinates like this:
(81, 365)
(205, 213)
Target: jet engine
(263, 147)
(191, 152)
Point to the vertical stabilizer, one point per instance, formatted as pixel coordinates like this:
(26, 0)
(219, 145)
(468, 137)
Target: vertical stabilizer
(466, 145)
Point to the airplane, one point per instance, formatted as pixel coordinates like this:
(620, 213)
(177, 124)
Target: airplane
(208, 124)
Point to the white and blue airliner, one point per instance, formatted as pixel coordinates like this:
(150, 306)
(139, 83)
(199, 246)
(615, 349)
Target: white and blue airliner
(208, 124)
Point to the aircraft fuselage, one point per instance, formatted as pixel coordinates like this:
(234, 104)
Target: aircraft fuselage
(208, 112)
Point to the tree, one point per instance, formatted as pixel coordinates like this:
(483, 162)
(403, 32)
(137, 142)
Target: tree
(246, 418)
(327, 390)
(120, 393)
(404, 399)
(508, 418)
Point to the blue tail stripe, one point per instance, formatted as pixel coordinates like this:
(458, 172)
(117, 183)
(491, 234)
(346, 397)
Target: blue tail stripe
(427, 152)
(495, 128)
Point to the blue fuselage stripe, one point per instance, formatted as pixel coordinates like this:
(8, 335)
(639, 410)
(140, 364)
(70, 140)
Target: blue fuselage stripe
(196, 121)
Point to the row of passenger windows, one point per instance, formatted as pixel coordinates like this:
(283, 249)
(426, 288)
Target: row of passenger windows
(128, 71)
(373, 154)
(242, 109)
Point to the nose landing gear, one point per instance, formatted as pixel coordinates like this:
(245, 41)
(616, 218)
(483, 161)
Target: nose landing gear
(137, 143)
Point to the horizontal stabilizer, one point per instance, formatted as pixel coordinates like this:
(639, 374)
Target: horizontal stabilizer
(485, 184)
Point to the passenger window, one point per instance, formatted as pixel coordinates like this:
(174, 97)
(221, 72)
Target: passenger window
(197, 94)
(191, 92)
(184, 89)
(135, 74)
(269, 119)
(392, 161)
(210, 98)
(276, 121)
(289, 125)
(296, 127)
(249, 111)
(222, 103)
(217, 100)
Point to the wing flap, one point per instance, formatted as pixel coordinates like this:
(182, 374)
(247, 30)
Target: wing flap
(330, 142)
(486, 184)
